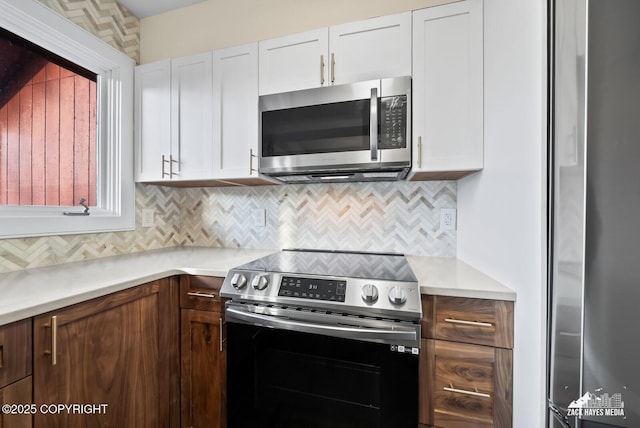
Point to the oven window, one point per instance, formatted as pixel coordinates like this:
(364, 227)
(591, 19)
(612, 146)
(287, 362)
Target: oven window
(327, 128)
(288, 379)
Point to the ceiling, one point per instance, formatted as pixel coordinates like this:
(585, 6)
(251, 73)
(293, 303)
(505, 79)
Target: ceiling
(146, 8)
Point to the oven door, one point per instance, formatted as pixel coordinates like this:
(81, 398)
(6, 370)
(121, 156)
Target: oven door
(349, 127)
(283, 378)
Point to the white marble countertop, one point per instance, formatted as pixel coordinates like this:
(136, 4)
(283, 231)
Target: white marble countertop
(443, 276)
(31, 292)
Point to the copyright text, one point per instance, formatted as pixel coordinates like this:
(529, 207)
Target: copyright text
(54, 409)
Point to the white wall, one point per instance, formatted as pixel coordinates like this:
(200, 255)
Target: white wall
(501, 216)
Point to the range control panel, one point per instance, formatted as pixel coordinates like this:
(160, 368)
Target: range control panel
(313, 288)
(369, 297)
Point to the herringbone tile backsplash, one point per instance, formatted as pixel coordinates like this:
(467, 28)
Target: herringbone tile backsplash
(391, 217)
(106, 19)
(395, 217)
(21, 253)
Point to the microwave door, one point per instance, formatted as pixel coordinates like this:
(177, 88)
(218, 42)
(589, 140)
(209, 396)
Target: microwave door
(342, 134)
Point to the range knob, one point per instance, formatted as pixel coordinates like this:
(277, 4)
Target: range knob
(260, 282)
(369, 293)
(397, 295)
(238, 281)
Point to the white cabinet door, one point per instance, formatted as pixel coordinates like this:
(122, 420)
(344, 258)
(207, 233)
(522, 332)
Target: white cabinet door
(152, 119)
(447, 90)
(191, 117)
(235, 111)
(371, 49)
(294, 62)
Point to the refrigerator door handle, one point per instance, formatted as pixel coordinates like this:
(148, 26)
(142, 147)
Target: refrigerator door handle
(559, 415)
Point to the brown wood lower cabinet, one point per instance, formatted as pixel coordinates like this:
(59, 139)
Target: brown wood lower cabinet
(468, 385)
(120, 351)
(15, 351)
(466, 363)
(203, 353)
(15, 374)
(18, 395)
(203, 370)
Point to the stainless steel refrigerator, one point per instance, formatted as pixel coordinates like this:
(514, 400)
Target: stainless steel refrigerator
(594, 212)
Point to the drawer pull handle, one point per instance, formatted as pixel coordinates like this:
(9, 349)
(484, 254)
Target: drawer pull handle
(207, 295)
(464, 391)
(474, 323)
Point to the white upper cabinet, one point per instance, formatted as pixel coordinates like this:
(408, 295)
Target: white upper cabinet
(173, 115)
(371, 49)
(447, 91)
(294, 62)
(197, 117)
(152, 115)
(363, 50)
(191, 117)
(235, 112)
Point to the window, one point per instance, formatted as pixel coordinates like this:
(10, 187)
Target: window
(47, 127)
(65, 126)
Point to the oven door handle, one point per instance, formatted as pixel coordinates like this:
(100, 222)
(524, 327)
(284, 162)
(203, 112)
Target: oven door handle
(390, 335)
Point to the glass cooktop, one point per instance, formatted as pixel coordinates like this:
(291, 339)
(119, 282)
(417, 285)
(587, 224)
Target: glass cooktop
(389, 267)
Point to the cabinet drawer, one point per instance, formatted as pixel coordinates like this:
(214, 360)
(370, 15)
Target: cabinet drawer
(463, 386)
(478, 321)
(17, 393)
(15, 351)
(201, 292)
(470, 385)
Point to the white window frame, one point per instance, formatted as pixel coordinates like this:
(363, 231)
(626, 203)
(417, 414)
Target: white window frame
(115, 191)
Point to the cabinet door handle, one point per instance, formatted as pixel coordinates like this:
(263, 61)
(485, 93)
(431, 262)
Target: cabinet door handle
(251, 156)
(171, 162)
(1, 356)
(466, 392)
(473, 323)
(322, 69)
(333, 67)
(419, 152)
(54, 340)
(163, 162)
(222, 340)
(207, 295)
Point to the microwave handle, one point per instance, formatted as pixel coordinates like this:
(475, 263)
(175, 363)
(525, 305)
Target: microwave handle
(373, 124)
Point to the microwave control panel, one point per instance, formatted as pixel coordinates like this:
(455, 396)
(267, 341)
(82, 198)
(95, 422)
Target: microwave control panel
(393, 122)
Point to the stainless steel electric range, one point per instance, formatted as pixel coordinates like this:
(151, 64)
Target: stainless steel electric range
(323, 338)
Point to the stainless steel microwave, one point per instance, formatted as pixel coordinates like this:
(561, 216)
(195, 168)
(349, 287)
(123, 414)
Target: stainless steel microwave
(353, 132)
